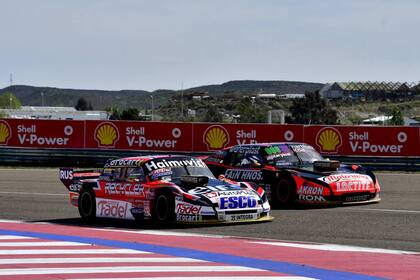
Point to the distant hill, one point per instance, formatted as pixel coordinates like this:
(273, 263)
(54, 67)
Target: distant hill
(254, 87)
(100, 99)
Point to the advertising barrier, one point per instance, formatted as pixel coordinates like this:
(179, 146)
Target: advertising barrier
(148, 136)
(212, 137)
(364, 140)
(42, 133)
(389, 141)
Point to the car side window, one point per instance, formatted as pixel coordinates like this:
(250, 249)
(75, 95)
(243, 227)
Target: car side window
(122, 174)
(135, 174)
(247, 160)
(228, 158)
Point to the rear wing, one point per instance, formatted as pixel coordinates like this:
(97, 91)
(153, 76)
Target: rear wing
(73, 179)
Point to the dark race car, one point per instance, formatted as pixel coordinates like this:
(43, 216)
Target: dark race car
(295, 173)
(164, 189)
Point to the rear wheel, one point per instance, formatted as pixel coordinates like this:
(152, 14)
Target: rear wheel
(283, 193)
(164, 208)
(87, 205)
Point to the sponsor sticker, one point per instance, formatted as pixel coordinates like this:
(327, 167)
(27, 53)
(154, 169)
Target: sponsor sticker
(160, 173)
(312, 198)
(209, 189)
(244, 175)
(124, 162)
(237, 202)
(123, 189)
(113, 209)
(246, 150)
(344, 177)
(241, 217)
(356, 198)
(187, 208)
(75, 187)
(187, 218)
(66, 174)
(158, 164)
(309, 190)
(146, 209)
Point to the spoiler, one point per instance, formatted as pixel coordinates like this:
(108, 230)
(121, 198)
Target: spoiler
(72, 179)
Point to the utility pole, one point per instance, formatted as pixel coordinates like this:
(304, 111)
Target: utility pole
(151, 96)
(182, 101)
(42, 98)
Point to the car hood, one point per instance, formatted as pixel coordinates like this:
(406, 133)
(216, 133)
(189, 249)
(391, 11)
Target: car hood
(227, 196)
(342, 183)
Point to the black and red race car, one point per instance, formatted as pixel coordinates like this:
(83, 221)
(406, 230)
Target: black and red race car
(295, 173)
(164, 189)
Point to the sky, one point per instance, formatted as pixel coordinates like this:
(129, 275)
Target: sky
(149, 45)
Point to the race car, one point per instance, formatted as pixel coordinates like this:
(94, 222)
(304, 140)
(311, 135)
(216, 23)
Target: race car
(163, 189)
(295, 173)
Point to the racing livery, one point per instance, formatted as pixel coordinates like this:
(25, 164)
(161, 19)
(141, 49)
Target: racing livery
(295, 173)
(163, 189)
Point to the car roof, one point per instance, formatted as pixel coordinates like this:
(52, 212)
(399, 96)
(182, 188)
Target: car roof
(267, 144)
(136, 161)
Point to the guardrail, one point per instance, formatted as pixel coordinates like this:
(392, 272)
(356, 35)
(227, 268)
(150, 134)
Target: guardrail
(96, 158)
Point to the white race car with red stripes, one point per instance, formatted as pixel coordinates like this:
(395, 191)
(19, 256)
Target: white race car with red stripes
(164, 189)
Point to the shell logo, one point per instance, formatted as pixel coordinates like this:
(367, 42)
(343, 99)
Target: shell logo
(106, 134)
(5, 132)
(216, 137)
(329, 140)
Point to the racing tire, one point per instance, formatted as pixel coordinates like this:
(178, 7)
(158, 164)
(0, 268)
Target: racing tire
(87, 205)
(283, 193)
(164, 208)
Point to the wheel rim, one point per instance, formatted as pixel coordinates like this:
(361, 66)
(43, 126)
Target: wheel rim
(162, 208)
(86, 204)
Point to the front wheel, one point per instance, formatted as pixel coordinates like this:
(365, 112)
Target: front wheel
(87, 205)
(283, 193)
(164, 208)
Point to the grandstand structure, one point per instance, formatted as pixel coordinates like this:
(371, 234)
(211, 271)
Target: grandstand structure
(370, 90)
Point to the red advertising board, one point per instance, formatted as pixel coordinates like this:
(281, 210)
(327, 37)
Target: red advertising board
(41, 133)
(204, 137)
(143, 136)
(364, 140)
(210, 136)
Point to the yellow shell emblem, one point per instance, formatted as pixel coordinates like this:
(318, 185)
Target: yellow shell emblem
(5, 133)
(216, 137)
(106, 134)
(329, 140)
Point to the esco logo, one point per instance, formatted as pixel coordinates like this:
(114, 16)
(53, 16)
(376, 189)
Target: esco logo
(216, 137)
(106, 134)
(328, 140)
(233, 202)
(5, 132)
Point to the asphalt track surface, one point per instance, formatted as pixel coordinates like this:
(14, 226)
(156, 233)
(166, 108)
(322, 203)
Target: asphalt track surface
(394, 223)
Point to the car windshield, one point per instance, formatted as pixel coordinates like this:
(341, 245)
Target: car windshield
(169, 170)
(279, 155)
(190, 170)
(290, 155)
(306, 153)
